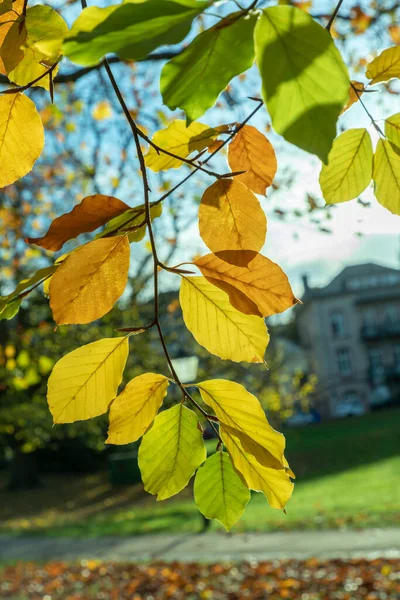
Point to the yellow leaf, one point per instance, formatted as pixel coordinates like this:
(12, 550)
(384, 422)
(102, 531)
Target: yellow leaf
(11, 51)
(219, 491)
(394, 32)
(6, 22)
(386, 176)
(83, 383)
(231, 217)
(236, 408)
(219, 327)
(93, 212)
(21, 137)
(353, 95)
(90, 280)
(46, 30)
(274, 483)
(171, 452)
(136, 406)
(102, 111)
(392, 129)
(180, 140)
(385, 66)
(349, 168)
(251, 151)
(259, 288)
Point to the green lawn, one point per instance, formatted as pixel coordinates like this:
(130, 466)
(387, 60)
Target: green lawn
(347, 475)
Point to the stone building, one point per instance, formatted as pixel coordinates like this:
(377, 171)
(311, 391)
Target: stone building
(350, 330)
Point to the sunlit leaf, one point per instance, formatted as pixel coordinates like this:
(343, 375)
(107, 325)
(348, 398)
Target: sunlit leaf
(136, 406)
(9, 305)
(238, 409)
(181, 141)
(6, 22)
(354, 95)
(90, 280)
(274, 483)
(349, 168)
(231, 217)
(83, 383)
(93, 212)
(21, 137)
(304, 79)
(219, 492)
(131, 222)
(131, 29)
(392, 129)
(251, 151)
(386, 176)
(384, 67)
(259, 288)
(219, 327)
(171, 452)
(45, 31)
(194, 79)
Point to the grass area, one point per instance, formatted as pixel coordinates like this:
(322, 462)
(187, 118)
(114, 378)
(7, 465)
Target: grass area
(347, 475)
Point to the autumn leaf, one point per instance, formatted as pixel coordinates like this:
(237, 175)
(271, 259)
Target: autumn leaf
(236, 408)
(231, 217)
(274, 483)
(356, 90)
(93, 212)
(21, 137)
(252, 152)
(7, 19)
(219, 327)
(349, 168)
(259, 288)
(102, 111)
(136, 406)
(90, 280)
(171, 452)
(386, 176)
(219, 492)
(83, 383)
(179, 140)
(392, 129)
(132, 222)
(384, 67)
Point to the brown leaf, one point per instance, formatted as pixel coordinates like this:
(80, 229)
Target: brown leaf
(251, 151)
(353, 95)
(93, 212)
(231, 217)
(260, 288)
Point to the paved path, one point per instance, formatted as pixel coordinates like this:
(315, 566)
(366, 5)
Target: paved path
(210, 547)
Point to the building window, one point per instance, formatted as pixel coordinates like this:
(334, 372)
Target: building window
(344, 361)
(375, 358)
(369, 319)
(337, 324)
(392, 313)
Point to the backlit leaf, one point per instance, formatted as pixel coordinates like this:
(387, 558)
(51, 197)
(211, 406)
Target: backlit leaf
(11, 303)
(131, 222)
(136, 406)
(231, 217)
(259, 288)
(238, 409)
(392, 129)
(21, 137)
(349, 168)
(194, 79)
(29, 68)
(6, 22)
(274, 483)
(219, 492)
(219, 327)
(90, 280)
(45, 31)
(93, 212)
(304, 79)
(131, 29)
(384, 67)
(171, 452)
(251, 151)
(354, 95)
(180, 140)
(11, 52)
(83, 383)
(386, 176)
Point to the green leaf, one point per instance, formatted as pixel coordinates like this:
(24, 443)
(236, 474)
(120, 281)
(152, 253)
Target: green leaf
(384, 67)
(171, 452)
(219, 492)
(349, 168)
(304, 79)
(392, 129)
(386, 176)
(131, 220)
(9, 305)
(194, 79)
(132, 29)
(45, 29)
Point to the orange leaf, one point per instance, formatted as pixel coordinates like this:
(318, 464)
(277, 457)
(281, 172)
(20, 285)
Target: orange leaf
(231, 217)
(353, 96)
(93, 212)
(6, 21)
(260, 288)
(89, 282)
(251, 151)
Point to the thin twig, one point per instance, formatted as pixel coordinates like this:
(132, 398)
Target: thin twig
(333, 16)
(22, 88)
